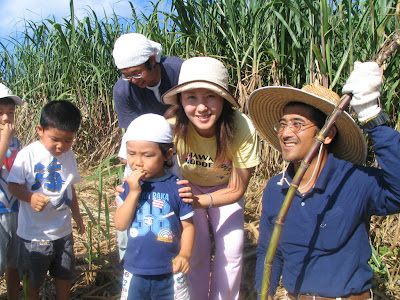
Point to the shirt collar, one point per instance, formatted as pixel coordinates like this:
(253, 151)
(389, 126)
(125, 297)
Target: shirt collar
(323, 178)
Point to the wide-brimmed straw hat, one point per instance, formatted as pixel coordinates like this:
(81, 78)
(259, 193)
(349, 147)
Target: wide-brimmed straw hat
(201, 72)
(266, 108)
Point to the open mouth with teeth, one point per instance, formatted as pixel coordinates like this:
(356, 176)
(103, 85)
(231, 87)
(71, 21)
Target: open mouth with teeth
(203, 117)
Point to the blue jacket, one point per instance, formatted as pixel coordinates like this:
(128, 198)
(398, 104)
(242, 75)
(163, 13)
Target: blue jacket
(131, 101)
(324, 246)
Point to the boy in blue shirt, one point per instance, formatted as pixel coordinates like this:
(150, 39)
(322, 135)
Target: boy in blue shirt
(159, 223)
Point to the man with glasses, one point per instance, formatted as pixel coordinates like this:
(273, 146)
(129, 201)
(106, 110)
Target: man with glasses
(145, 77)
(324, 247)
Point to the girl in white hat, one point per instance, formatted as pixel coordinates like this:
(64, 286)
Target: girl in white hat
(217, 151)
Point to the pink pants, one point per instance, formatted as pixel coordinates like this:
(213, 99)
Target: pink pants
(228, 228)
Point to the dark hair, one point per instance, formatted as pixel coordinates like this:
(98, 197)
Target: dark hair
(6, 101)
(148, 65)
(224, 132)
(317, 116)
(164, 147)
(60, 114)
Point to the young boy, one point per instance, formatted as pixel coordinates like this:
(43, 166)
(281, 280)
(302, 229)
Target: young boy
(43, 178)
(9, 147)
(161, 230)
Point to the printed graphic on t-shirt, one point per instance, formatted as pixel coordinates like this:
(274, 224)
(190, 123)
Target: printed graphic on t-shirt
(206, 161)
(152, 216)
(49, 178)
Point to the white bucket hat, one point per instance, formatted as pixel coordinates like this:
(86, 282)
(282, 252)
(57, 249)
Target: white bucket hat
(149, 127)
(266, 108)
(201, 72)
(5, 92)
(134, 49)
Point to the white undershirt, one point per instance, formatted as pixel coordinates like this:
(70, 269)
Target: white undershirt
(155, 90)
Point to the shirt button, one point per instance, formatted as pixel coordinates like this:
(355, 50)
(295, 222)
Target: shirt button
(302, 204)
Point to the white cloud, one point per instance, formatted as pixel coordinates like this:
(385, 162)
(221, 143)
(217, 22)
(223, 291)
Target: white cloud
(13, 12)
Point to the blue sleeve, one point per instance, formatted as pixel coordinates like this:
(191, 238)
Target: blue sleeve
(185, 210)
(121, 197)
(126, 103)
(265, 231)
(385, 198)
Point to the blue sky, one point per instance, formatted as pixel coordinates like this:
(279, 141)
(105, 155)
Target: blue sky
(13, 12)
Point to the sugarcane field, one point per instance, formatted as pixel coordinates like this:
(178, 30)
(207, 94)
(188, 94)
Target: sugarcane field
(287, 43)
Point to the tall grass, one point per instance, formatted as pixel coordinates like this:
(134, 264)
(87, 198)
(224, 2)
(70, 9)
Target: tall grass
(286, 42)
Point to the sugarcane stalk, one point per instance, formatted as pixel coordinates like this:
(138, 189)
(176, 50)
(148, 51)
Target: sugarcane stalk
(305, 163)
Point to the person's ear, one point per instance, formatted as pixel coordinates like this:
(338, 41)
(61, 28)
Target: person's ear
(152, 60)
(169, 154)
(331, 134)
(39, 130)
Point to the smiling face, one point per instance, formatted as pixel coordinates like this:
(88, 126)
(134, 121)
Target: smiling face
(203, 108)
(149, 74)
(56, 141)
(295, 145)
(148, 157)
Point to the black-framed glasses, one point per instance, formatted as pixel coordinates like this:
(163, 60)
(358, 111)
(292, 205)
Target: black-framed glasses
(294, 127)
(129, 78)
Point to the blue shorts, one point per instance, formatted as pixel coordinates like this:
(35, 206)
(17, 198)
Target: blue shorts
(161, 287)
(38, 257)
(147, 287)
(8, 241)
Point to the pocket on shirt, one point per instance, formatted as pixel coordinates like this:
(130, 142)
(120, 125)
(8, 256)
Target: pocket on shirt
(332, 230)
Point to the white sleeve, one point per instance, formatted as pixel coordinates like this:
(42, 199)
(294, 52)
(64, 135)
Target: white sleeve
(18, 170)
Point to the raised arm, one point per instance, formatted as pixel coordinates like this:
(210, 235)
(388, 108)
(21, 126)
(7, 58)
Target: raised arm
(7, 132)
(124, 214)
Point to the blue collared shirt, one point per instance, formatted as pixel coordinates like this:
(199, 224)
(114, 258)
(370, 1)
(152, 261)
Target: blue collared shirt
(324, 245)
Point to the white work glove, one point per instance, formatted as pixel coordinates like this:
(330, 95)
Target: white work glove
(364, 83)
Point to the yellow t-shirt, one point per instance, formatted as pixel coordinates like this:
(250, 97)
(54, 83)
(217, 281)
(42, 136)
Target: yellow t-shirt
(196, 159)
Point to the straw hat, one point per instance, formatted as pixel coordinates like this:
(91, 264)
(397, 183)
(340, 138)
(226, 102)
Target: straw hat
(266, 108)
(5, 92)
(201, 72)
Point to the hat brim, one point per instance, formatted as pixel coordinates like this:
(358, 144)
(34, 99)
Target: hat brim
(266, 108)
(170, 96)
(17, 100)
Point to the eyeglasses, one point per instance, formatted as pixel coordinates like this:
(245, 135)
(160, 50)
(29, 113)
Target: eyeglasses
(294, 127)
(129, 78)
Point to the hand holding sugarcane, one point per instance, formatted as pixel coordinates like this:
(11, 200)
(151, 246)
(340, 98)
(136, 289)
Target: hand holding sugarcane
(364, 84)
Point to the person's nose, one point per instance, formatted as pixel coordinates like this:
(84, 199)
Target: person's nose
(287, 132)
(138, 161)
(202, 106)
(4, 118)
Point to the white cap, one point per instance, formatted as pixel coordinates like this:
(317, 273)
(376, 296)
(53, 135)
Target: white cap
(149, 127)
(5, 92)
(134, 49)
